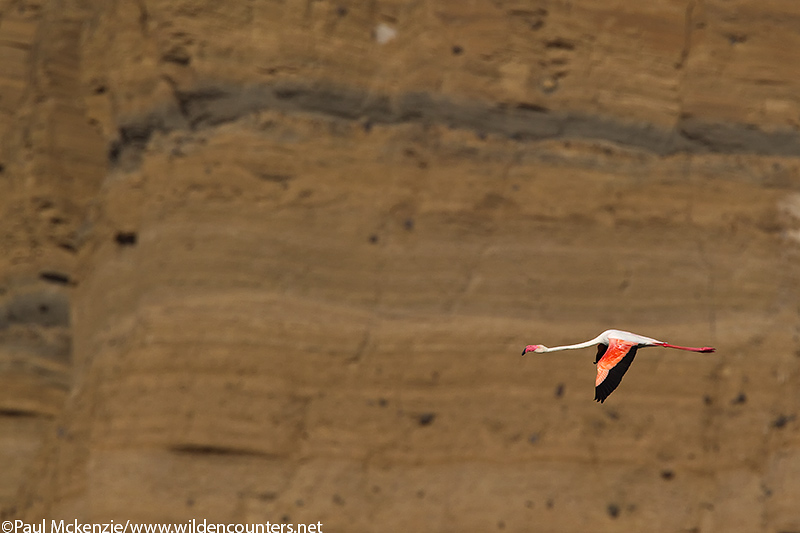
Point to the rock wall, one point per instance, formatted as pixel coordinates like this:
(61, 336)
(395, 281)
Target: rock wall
(276, 261)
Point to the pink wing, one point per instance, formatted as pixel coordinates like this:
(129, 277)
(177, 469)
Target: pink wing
(612, 366)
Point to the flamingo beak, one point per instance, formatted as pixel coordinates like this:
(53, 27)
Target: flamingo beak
(525, 350)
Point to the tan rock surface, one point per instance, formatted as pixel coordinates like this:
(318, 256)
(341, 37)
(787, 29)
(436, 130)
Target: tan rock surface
(270, 261)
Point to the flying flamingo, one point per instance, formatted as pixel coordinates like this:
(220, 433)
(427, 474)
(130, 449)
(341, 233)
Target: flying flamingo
(615, 352)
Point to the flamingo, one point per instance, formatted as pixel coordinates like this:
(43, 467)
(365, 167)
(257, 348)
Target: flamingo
(615, 352)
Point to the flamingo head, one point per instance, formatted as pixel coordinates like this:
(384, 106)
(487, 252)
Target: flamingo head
(535, 348)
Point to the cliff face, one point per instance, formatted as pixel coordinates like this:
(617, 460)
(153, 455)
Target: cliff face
(277, 260)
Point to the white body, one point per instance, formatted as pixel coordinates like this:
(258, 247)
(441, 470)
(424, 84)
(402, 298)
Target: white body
(604, 338)
(626, 336)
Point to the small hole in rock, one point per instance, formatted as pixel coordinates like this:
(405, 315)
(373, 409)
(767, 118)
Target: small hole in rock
(559, 392)
(426, 419)
(125, 238)
(782, 420)
(114, 152)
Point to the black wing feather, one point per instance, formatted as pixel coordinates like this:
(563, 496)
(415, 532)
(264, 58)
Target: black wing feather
(601, 350)
(614, 376)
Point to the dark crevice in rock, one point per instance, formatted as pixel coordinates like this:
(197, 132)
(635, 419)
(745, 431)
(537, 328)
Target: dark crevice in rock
(211, 105)
(204, 107)
(126, 238)
(21, 413)
(58, 278)
(560, 44)
(202, 449)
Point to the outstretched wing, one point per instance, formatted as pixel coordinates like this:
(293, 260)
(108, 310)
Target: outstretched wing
(612, 364)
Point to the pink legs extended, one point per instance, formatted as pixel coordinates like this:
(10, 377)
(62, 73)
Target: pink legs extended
(704, 349)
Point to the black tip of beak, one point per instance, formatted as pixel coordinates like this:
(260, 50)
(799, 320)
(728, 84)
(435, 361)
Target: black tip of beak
(524, 352)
